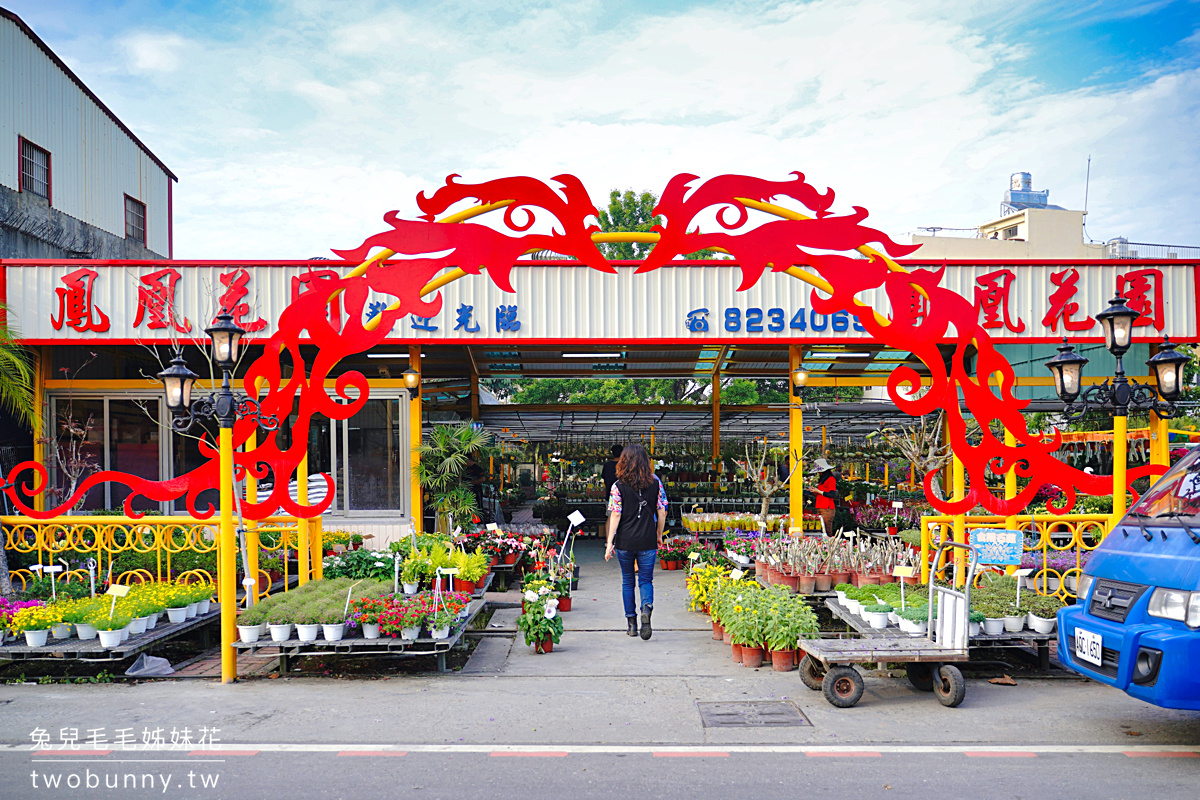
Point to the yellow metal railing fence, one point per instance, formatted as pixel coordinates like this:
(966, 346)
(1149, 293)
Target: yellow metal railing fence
(1057, 545)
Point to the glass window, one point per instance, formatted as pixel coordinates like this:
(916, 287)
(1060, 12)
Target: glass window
(133, 447)
(1176, 493)
(135, 220)
(76, 450)
(35, 169)
(374, 446)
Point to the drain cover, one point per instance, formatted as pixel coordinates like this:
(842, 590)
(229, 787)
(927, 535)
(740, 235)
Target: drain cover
(752, 714)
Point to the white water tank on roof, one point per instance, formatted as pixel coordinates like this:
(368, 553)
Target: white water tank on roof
(1020, 182)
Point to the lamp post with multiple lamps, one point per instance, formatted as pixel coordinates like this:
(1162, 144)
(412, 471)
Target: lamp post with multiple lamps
(798, 379)
(1122, 394)
(226, 408)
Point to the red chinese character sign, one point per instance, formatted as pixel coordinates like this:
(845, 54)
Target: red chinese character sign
(332, 310)
(76, 308)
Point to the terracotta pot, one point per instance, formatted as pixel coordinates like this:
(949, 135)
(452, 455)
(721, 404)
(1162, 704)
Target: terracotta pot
(564, 603)
(806, 584)
(718, 631)
(662, 564)
(760, 566)
(790, 581)
(495, 560)
(752, 657)
(856, 579)
(725, 638)
(892, 531)
(510, 558)
(822, 582)
(883, 578)
(839, 577)
(464, 586)
(672, 565)
(913, 580)
(546, 646)
(869, 580)
(736, 651)
(783, 660)
(275, 574)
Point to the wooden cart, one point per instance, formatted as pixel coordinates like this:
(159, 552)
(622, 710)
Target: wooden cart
(827, 665)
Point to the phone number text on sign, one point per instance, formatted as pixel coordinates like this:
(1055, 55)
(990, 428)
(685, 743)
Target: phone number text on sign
(774, 320)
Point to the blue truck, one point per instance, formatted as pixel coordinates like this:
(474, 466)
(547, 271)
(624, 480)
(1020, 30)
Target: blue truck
(1136, 624)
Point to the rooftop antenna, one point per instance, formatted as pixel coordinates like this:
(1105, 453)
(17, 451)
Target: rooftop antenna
(1087, 185)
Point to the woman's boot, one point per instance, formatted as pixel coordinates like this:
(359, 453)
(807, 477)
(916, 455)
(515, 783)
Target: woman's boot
(633, 629)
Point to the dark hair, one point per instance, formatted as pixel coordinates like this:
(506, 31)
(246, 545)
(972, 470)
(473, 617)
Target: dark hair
(633, 468)
(615, 451)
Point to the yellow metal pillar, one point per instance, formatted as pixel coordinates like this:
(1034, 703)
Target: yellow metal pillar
(960, 523)
(823, 444)
(948, 472)
(227, 570)
(716, 421)
(416, 506)
(1010, 490)
(886, 475)
(1120, 462)
(795, 443)
(315, 535)
(303, 549)
(651, 440)
(1160, 447)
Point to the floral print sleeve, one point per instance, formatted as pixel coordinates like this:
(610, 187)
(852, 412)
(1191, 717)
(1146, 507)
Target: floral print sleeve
(614, 500)
(662, 495)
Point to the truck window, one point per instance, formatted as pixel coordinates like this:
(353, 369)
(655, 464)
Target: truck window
(1176, 493)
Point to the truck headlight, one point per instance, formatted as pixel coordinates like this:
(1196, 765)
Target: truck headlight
(1083, 586)
(1193, 614)
(1169, 604)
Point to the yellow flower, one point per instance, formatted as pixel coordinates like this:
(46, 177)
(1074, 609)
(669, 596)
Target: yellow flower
(737, 609)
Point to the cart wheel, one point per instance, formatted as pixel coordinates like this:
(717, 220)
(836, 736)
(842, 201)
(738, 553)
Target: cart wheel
(811, 672)
(920, 675)
(950, 687)
(842, 686)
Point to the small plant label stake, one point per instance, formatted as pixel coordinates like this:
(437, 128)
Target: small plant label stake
(249, 584)
(574, 519)
(736, 574)
(346, 610)
(91, 565)
(902, 573)
(51, 569)
(897, 504)
(1020, 575)
(396, 578)
(116, 590)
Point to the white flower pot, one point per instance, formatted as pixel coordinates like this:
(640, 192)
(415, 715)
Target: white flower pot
(409, 634)
(1072, 582)
(1014, 624)
(854, 606)
(192, 610)
(370, 630)
(205, 606)
(993, 627)
(1047, 583)
(973, 628)
(1041, 624)
(308, 633)
(152, 620)
(876, 619)
(410, 588)
(109, 639)
(281, 633)
(175, 615)
(124, 633)
(61, 630)
(248, 633)
(912, 628)
(37, 638)
(137, 625)
(85, 631)
(440, 633)
(893, 618)
(334, 633)
(841, 598)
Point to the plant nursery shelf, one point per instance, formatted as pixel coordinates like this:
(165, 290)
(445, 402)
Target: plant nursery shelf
(74, 649)
(357, 646)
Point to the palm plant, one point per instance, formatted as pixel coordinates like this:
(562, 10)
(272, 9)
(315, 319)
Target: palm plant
(16, 374)
(444, 454)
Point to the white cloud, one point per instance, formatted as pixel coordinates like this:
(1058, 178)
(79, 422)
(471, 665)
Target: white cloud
(296, 135)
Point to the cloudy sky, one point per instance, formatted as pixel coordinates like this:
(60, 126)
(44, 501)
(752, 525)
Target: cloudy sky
(293, 126)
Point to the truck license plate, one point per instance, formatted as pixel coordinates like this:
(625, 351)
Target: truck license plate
(1088, 647)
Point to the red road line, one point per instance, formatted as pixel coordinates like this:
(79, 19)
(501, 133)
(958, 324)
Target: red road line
(845, 754)
(999, 754)
(529, 754)
(370, 753)
(71, 752)
(223, 753)
(692, 754)
(1163, 754)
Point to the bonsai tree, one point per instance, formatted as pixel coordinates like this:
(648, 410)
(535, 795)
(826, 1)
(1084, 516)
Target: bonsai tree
(766, 481)
(444, 454)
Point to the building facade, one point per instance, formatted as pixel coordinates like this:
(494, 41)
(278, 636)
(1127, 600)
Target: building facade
(75, 182)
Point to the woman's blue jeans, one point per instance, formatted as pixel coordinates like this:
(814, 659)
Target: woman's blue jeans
(645, 577)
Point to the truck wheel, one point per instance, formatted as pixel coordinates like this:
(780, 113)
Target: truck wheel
(811, 672)
(920, 675)
(842, 686)
(949, 686)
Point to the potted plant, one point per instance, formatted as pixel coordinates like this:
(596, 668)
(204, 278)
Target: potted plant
(356, 541)
(541, 624)
(993, 611)
(974, 622)
(364, 613)
(109, 628)
(876, 614)
(177, 603)
(308, 621)
(279, 614)
(77, 613)
(1014, 619)
(914, 620)
(35, 622)
(782, 634)
(1043, 612)
(333, 619)
(250, 623)
(439, 623)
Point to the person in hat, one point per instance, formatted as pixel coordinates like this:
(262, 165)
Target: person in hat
(826, 494)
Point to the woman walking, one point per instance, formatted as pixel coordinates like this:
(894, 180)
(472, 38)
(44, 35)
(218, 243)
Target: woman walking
(637, 509)
(826, 494)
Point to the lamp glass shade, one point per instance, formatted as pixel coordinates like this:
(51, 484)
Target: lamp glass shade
(1117, 323)
(799, 378)
(411, 378)
(1167, 365)
(1067, 369)
(178, 381)
(226, 338)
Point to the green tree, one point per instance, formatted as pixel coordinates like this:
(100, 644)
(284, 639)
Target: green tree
(630, 212)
